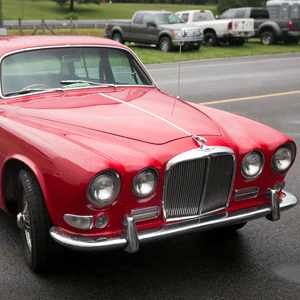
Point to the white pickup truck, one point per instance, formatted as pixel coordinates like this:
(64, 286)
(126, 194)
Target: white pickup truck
(233, 31)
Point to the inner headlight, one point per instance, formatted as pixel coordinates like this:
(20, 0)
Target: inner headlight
(283, 158)
(252, 164)
(145, 182)
(104, 188)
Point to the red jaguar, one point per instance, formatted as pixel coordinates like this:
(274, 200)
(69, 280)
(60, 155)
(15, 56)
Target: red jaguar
(93, 156)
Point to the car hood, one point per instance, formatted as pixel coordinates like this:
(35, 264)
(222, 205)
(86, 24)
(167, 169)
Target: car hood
(146, 115)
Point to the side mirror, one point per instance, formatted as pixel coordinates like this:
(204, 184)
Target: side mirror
(151, 24)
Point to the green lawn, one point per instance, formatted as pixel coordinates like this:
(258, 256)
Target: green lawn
(50, 10)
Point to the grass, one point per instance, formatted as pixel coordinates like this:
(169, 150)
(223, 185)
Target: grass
(34, 10)
(152, 55)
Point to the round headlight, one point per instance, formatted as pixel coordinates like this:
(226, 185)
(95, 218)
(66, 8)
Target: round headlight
(104, 188)
(145, 182)
(283, 158)
(252, 164)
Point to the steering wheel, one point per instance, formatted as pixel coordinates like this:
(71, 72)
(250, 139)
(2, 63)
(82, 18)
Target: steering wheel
(36, 86)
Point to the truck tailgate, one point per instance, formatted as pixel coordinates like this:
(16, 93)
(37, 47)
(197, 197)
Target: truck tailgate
(242, 25)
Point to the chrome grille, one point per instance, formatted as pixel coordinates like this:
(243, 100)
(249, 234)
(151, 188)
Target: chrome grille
(199, 184)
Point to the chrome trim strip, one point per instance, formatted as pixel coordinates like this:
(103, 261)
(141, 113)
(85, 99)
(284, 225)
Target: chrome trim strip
(98, 243)
(247, 193)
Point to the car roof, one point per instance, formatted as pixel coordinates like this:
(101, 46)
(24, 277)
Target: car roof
(9, 44)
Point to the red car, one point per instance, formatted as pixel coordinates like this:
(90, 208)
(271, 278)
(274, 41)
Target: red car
(94, 156)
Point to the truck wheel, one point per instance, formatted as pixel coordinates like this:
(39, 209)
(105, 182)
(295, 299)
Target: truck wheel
(267, 38)
(34, 223)
(210, 39)
(165, 44)
(118, 38)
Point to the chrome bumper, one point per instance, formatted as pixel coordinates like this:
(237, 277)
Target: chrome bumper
(131, 238)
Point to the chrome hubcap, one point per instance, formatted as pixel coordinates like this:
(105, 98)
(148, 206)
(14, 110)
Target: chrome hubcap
(23, 222)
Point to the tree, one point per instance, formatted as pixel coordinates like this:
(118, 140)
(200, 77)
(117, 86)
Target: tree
(64, 2)
(226, 4)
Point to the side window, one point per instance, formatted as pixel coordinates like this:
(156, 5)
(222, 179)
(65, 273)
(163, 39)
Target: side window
(259, 14)
(148, 19)
(185, 17)
(241, 13)
(122, 70)
(228, 14)
(138, 18)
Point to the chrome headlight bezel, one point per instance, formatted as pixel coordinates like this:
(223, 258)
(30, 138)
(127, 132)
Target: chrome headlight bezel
(290, 153)
(247, 161)
(137, 180)
(109, 180)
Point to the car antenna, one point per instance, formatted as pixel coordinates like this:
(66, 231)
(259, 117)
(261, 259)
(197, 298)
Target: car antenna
(178, 97)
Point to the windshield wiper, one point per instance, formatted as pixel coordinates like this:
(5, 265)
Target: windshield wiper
(86, 81)
(23, 92)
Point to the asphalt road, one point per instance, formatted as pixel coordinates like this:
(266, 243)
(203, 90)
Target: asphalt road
(261, 261)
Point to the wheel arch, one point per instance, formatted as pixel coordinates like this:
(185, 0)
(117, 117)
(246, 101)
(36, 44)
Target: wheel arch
(207, 30)
(270, 27)
(10, 171)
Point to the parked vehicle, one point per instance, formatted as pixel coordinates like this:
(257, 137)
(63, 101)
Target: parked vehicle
(161, 28)
(95, 157)
(235, 32)
(268, 30)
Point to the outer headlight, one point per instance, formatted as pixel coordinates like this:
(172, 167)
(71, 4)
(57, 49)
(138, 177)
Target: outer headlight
(104, 188)
(252, 164)
(283, 158)
(178, 33)
(145, 182)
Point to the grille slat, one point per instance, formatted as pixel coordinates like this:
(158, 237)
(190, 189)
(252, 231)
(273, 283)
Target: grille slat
(185, 193)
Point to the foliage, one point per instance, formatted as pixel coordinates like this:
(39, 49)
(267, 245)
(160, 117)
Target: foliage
(226, 4)
(62, 3)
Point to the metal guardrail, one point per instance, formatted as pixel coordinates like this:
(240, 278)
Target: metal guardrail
(33, 24)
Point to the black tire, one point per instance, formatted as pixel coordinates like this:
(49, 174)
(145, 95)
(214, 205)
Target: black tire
(196, 47)
(34, 222)
(210, 40)
(267, 38)
(117, 37)
(165, 44)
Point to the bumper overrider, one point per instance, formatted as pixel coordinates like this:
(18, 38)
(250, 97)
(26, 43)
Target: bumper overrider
(130, 239)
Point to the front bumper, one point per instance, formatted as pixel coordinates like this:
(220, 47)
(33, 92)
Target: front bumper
(189, 41)
(131, 238)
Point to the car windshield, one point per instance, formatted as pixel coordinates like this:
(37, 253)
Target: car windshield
(167, 19)
(72, 67)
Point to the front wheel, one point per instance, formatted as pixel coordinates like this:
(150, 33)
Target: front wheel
(210, 39)
(165, 44)
(34, 222)
(267, 38)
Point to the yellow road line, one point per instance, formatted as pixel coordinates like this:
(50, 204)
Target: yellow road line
(248, 98)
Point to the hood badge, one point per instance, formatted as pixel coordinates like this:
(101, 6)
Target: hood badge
(199, 140)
